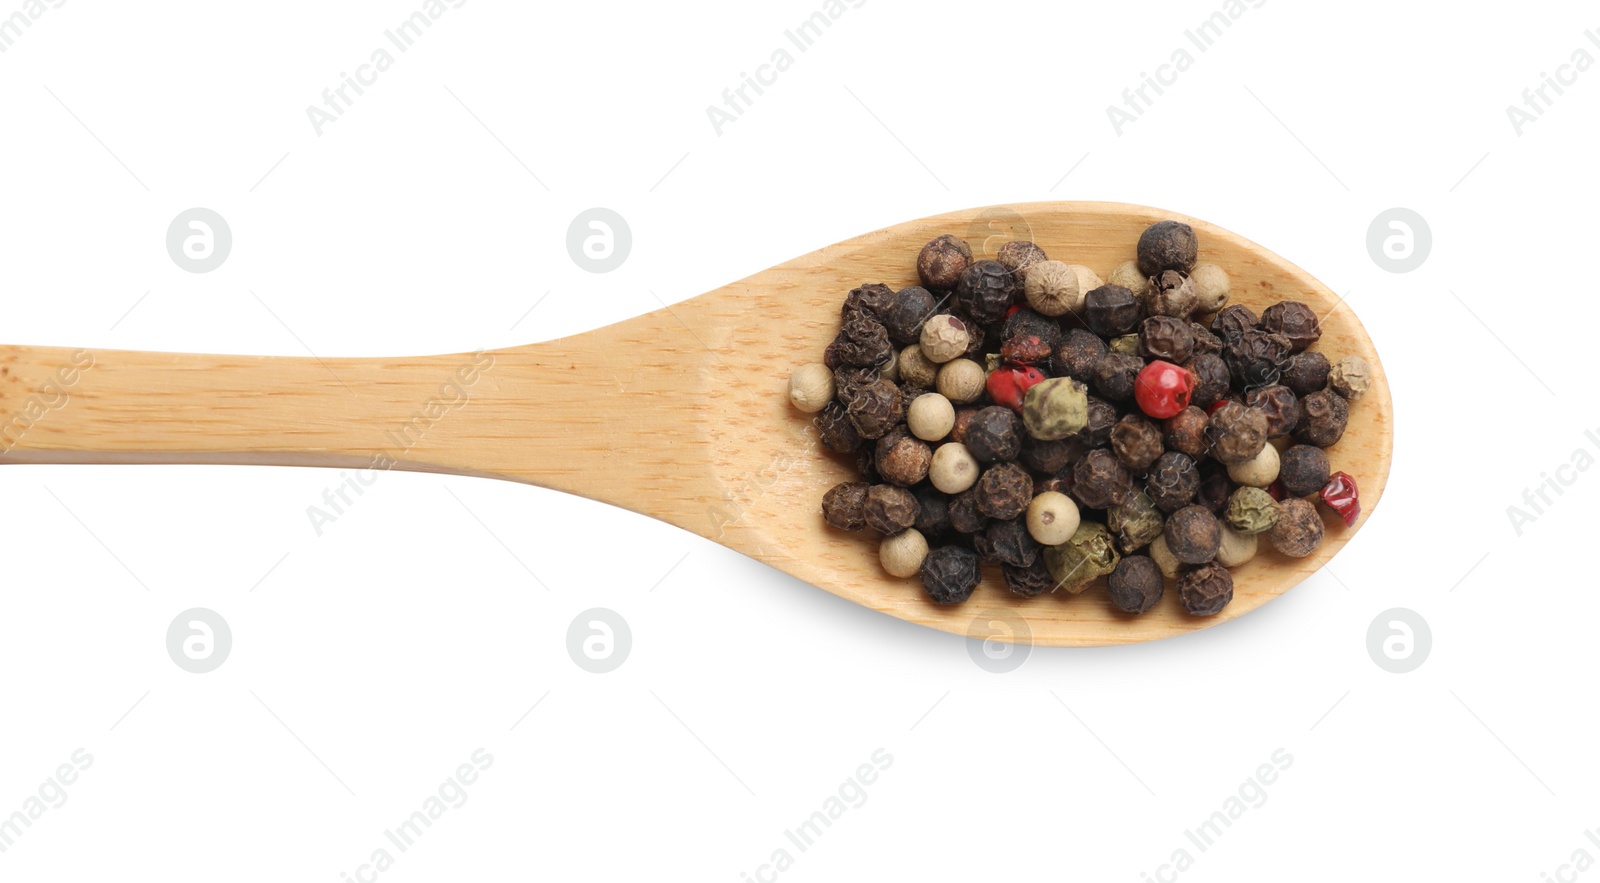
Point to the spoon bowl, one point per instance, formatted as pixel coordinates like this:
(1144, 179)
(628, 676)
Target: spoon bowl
(681, 414)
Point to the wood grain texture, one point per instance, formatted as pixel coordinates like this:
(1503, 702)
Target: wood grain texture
(681, 414)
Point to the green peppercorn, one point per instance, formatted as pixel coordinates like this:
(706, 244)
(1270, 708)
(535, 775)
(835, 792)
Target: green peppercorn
(1251, 510)
(1136, 523)
(1126, 344)
(1055, 408)
(1089, 555)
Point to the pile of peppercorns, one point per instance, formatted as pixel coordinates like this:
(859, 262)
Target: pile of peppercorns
(1025, 412)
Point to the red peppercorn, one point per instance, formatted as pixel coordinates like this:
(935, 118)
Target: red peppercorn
(1340, 495)
(1162, 389)
(1276, 491)
(1009, 383)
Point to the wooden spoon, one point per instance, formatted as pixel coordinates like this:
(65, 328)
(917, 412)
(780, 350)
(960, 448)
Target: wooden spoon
(681, 414)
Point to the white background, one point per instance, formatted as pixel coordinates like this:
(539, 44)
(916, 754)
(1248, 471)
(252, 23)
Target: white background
(370, 662)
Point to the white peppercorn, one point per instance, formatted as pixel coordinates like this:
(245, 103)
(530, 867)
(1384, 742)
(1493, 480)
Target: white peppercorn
(1052, 518)
(1128, 276)
(903, 553)
(1236, 548)
(1052, 288)
(1210, 287)
(930, 417)
(961, 381)
(1258, 471)
(1088, 280)
(953, 469)
(915, 368)
(811, 387)
(1350, 377)
(944, 337)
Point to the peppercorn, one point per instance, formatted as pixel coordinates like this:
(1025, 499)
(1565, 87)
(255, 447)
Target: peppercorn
(1236, 433)
(1115, 374)
(1136, 440)
(1237, 548)
(835, 429)
(1303, 470)
(1004, 491)
(1211, 379)
(1125, 344)
(1087, 556)
(844, 505)
(1186, 432)
(1055, 408)
(1007, 542)
(1009, 383)
(1206, 589)
(940, 263)
(1049, 457)
(1024, 321)
(1215, 487)
(961, 381)
(1162, 556)
(1279, 404)
(868, 301)
(1167, 245)
(1210, 287)
(1170, 294)
(1324, 414)
(905, 312)
(943, 337)
(950, 573)
(1052, 518)
(1295, 321)
(1135, 522)
(1100, 481)
(1096, 431)
(1342, 496)
(848, 382)
(964, 514)
(1051, 288)
(1350, 377)
(985, 291)
(915, 368)
(1256, 358)
(889, 509)
(1204, 340)
(1162, 389)
(1028, 582)
(1135, 584)
(902, 458)
(1258, 471)
(1232, 322)
(876, 408)
(1305, 372)
(958, 432)
(930, 416)
(1298, 530)
(953, 469)
(1252, 510)
(933, 511)
(811, 387)
(1193, 534)
(1167, 338)
(995, 434)
(867, 464)
(1173, 481)
(1088, 280)
(903, 553)
(1111, 310)
(1077, 355)
(862, 342)
(890, 367)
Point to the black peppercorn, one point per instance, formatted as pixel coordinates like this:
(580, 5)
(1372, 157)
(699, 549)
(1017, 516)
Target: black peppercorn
(1295, 321)
(844, 505)
(848, 382)
(964, 514)
(862, 342)
(1018, 255)
(1050, 457)
(1256, 358)
(1096, 433)
(950, 573)
(1211, 379)
(1298, 530)
(1004, 491)
(1114, 376)
(1167, 245)
(1323, 415)
(876, 408)
(933, 511)
(901, 458)
(940, 263)
(1100, 481)
(1031, 581)
(1135, 584)
(976, 336)
(889, 509)
(1193, 534)
(1306, 372)
(1028, 321)
(1136, 440)
(867, 463)
(1173, 481)
(906, 311)
(986, 291)
(1216, 487)
(1204, 340)
(1111, 310)
(1163, 337)
(1280, 405)
(1231, 322)
(1236, 433)
(1077, 355)
(1007, 542)
(837, 432)
(1024, 349)
(868, 301)
(994, 434)
(1170, 294)
(1186, 432)
(1303, 470)
(1206, 589)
